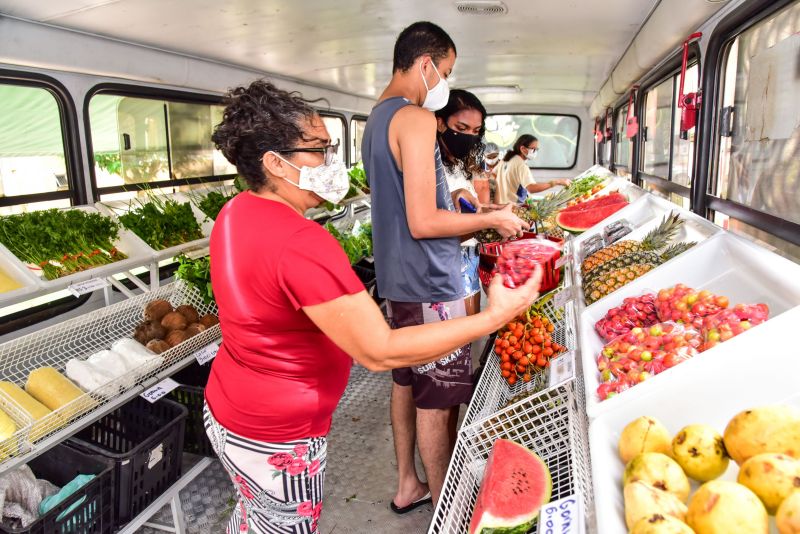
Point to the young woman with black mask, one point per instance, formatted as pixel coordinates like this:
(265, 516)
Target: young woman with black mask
(461, 125)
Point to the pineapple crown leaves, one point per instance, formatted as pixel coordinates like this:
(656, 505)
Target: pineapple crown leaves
(545, 208)
(676, 250)
(664, 233)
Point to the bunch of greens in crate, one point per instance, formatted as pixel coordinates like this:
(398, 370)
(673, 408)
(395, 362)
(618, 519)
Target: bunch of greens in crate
(197, 273)
(211, 203)
(161, 222)
(584, 185)
(61, 242)
(357, 243)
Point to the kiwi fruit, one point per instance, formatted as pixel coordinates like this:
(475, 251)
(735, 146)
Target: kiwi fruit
(174, 321)
(189, 312)
(158, 345)
(176, 337)
(156, 310)
(209, 320)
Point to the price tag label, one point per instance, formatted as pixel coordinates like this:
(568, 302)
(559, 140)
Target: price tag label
(159, 390)
(87, 286)
(206, 354)
(562, 369)
(563, 260)
(564, 516)
(197, 253)
(564, 296)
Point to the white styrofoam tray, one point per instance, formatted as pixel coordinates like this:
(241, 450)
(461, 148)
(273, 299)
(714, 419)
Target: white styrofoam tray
(724, 264)
(117, 207)
(136, 250)
(20, 273)
(756, 370)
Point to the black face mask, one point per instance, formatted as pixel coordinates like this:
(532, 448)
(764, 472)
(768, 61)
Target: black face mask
(458, 144)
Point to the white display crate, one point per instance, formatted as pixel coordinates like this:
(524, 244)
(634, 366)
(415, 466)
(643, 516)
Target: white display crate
(757, 368)
(17, 271)
(118, 207)
(724, 264)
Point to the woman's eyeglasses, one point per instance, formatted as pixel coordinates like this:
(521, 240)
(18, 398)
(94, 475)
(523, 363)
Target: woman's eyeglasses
(329, 151)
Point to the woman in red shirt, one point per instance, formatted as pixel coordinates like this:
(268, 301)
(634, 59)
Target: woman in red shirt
(294, 315)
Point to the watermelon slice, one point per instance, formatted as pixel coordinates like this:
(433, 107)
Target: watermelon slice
(611, 198)
(516, 484)
(579, 221)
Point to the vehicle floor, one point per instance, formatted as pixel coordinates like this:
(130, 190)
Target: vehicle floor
(360, 478)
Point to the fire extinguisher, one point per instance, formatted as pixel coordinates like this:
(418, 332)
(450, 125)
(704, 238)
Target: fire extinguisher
(689, 103)
(631, 122)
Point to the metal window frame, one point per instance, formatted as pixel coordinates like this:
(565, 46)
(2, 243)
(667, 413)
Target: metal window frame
(151, 93)
(577, 139)
(357, 117)
(76, 186)
(345, 130)
(669, 69)
(704, 203)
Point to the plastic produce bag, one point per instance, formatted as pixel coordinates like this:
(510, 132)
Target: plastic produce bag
(685, 305)
(642, 353)
(633, 312)
(518, 260)
(729, 323)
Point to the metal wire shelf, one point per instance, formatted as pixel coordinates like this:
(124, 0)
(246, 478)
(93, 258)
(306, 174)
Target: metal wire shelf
(493, 392)
(551, 423)
(79, 338)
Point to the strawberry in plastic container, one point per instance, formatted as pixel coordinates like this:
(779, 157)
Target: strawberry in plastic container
(683, 304)
(644, 352)
(633, 312)
(518, 260)
(731, 322)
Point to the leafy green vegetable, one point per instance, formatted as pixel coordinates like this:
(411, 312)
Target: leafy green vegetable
(584, 185)
(357, 245)
(61, 242)
(160, 222)
(197, 273)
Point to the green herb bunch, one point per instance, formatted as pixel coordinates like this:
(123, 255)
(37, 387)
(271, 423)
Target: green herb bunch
(584, 185)
(357, 245)
(61, 242)
(161, 222)
(197, 273)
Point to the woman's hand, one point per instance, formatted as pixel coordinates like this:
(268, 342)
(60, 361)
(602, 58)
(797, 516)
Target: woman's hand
(469, 197)
(507, 303)
(565, 182)
(507, 224)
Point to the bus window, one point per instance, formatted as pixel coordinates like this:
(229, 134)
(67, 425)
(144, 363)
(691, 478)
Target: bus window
(336, 129)
(683, 149)
(624, 151)
(32, 160)
(356, 135)
(557, 134)
(658, 125)
(148, 140)
(759, 149)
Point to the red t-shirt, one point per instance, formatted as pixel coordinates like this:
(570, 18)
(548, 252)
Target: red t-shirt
(276, 377)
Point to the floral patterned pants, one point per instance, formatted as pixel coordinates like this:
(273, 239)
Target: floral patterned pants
(279, 484)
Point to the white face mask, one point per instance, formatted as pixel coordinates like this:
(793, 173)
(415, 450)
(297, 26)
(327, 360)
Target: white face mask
(491, 161)
(330, 182)
(532, 154)
(437, 96)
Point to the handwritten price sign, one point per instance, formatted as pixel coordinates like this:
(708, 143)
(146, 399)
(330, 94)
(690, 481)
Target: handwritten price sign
(159, 390)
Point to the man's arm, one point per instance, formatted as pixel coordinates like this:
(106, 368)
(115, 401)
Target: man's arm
(412, 133)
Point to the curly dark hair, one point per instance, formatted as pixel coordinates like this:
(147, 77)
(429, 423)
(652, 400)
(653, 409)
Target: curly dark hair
(259, 118)
(460, 100)
(417, 40)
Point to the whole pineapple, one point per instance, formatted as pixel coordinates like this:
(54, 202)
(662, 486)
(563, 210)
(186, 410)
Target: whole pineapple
(544, 213)
(615, 279)
(490, 235)
(655, 240)
(641, 256)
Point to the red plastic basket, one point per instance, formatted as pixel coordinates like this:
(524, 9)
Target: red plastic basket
(489, 252)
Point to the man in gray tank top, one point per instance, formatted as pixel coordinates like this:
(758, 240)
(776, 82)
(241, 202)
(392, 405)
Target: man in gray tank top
(416, 234)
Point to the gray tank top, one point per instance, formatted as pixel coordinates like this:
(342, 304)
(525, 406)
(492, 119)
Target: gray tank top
(407, 269)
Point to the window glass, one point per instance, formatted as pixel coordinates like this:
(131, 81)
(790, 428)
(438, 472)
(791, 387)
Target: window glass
(335, 126)
(622, 158)
(759, 163)
(680, 200)
(658, 126)
(139, 140)
(765, 239)
(31, 143)
(683, 149)
(356, 135)
(557, 135)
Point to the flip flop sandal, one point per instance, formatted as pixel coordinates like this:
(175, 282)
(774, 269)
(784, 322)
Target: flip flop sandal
(414, 505)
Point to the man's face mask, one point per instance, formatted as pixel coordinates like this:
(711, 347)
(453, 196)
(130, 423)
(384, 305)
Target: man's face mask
(330, 182)
(437, 96)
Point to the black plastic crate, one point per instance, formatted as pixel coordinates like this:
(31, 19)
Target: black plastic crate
(95, 515)
(145, 442)
(191, 393)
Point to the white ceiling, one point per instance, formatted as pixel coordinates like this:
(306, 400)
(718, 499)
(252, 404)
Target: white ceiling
(559, 52)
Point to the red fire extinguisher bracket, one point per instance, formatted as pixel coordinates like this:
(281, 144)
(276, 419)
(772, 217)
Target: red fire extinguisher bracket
(631, 122)
(689, 103)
